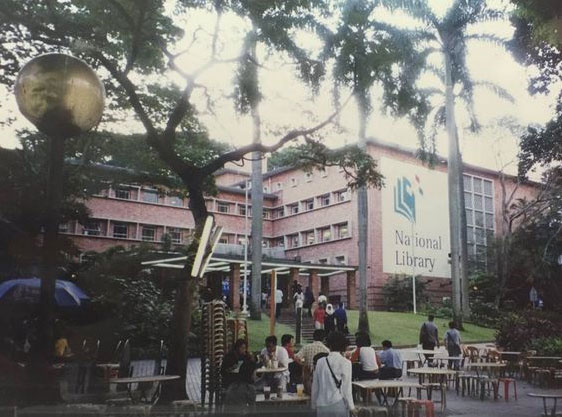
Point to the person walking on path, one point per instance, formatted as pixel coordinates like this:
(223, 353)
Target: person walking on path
(329, 320)
(341, 318)
(319, 317)
(331, 385)
(452, 342)
(278, 302)
(429, 337)
(308, 300)
(298, 298)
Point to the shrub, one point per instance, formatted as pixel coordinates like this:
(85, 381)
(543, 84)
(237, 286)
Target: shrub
(549, 346)
(398, 293)
(444, 311)
(518, 331)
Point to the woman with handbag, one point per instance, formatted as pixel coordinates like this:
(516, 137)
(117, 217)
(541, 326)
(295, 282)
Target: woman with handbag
(331, 385)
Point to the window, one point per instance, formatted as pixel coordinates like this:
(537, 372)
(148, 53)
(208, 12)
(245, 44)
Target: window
(340, 196)
(176, 201)
(280, 212)
(293, 241)
(340, 260)
(265, 189)
(175, 235)
(242, 210)
(294, 182)
(150, 196)
(309, 237)
(293, 208)
(342, 230)
(92, 228)
(479, 207)
(63, 228)
(123, 193)
(266, 214)
(309, 204)
(223, 207)
(120, 230)
(148, 233)
(324, 200)
(325, 234)
(308, 176)
(279, 242)
(323, 261)
(223, 240)
(279, 186)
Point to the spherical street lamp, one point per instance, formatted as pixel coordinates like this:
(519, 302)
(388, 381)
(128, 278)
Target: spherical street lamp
(60, 94)
(63, 97)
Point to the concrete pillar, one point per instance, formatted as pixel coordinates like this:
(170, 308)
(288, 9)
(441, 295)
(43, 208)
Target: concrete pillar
(293, 276)
(325, 286)
(351, 290)
(314, 282)
(235, 286)
(286, 284)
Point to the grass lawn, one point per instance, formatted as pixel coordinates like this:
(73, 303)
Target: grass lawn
(404, 328)
(259, 329)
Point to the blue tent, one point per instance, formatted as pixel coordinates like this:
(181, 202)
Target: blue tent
(27, 290)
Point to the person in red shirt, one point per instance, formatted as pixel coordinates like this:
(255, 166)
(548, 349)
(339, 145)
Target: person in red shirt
(319, 316)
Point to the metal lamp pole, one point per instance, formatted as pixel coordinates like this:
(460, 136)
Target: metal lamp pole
(245, 296)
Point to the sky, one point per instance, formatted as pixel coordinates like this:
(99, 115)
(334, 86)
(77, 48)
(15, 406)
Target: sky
(287, 104)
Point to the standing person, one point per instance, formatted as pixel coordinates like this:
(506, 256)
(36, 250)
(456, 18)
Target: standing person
(322, 300)
(319, 316)
(298, 298)
(391, 361)
(306, 355)
(329, 320)
(331, 385)
(429, 337)
(278, 302)
(366, 364)
(308, 300)
(225, 292)
(341, 318)
(452, 342)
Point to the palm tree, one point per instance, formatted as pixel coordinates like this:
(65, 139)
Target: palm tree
(450, 33)
(367, 52)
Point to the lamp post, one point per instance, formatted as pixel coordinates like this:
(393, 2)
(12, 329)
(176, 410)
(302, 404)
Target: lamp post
(63, 97)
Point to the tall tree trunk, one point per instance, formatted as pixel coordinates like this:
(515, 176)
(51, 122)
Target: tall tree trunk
(454, 191)
(465, 284)
(257, 207)
(184, 304)
(362, 221)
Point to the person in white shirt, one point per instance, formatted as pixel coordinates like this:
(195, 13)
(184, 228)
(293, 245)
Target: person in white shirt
(299, 298)
(278, 302)
(322, 299)
(272, 352)
(366, 366)
(331, 384)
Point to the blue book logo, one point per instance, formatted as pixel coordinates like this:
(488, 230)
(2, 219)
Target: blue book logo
(405, 199)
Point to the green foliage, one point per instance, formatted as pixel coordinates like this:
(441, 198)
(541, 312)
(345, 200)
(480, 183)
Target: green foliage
(547, 346)
(517, 331)
(398, 293)
(131, 297)
(443, 310)
(484, 287)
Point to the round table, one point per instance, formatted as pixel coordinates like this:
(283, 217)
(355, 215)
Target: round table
(271, 370)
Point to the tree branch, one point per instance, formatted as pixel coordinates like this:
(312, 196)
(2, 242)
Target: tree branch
(239, 153)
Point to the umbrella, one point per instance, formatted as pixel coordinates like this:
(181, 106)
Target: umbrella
(26, 290)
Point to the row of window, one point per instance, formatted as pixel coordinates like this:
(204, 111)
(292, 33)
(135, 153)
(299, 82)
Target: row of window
(318, 235)
(293, 181)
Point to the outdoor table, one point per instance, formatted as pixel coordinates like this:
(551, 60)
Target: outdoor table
(144, 384)
(544, 358)
(271, 370)
(421, 352)
(447, 358)
(289, 398)
(368, 386)
(432, 373)
(107, 368)
(487, 365)
(545, 397)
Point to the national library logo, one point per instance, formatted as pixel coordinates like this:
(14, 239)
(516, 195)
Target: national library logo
(405, 197)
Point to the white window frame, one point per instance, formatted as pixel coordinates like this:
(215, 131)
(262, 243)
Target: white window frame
(120, 235)
(146, 238)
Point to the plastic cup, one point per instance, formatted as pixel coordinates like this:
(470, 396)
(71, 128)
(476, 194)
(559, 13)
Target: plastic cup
(275, 364)
(300, 390)
(266, 392)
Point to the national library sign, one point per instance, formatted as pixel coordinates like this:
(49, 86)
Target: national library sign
(415, 220)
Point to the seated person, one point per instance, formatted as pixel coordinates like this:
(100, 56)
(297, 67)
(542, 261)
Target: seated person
(62, 349)
(306, 355)
(241, 392)
(366, 362)
(295, 369)
(232, 362)
(273, 353)
(391, 362)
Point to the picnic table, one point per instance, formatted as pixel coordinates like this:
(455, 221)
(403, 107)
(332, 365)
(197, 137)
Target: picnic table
(546, 397)
(385, 387)
(432, 372)
(289, 398)
(145, 384)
